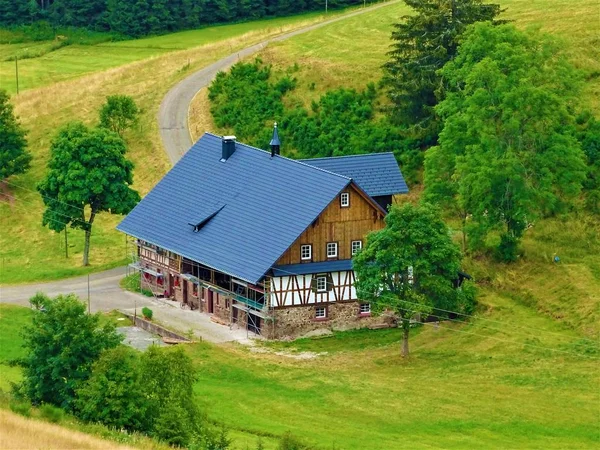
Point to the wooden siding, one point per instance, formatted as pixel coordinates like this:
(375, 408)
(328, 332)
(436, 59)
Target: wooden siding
(337, 224)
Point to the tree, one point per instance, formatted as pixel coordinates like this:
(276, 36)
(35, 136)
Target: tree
(118, 113)
(507, 153)
(408, 267)
(88, 173)
(14, 157)
(169, 376)
(115, 393)
(421, 44)
(62, 343)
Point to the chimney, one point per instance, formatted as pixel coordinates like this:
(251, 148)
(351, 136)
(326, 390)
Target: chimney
(228, 147)
(275, 142)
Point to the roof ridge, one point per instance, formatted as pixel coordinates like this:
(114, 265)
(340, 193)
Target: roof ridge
(348, 156)
(297, 161)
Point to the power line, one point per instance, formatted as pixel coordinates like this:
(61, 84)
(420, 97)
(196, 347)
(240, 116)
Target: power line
(504, 324)
(54, 212)
(45, 196)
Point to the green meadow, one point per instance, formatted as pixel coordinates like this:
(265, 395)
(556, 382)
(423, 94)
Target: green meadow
(46, 62)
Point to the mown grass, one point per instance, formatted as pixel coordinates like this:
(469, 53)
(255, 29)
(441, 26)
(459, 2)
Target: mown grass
(515, 375)
(47, 62)
(30, 252)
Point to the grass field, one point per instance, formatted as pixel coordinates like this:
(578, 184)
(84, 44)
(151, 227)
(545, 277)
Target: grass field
(523, 373)
(28, 251)
(59, 64)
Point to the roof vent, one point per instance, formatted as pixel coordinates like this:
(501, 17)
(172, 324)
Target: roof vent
(275, 142)
(228, 147)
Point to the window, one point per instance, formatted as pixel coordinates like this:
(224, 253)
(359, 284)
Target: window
(332, 250)
(320, 312)
(305, 252)
(345, 199)
(356, 246)
(365, 308)
(321, 284)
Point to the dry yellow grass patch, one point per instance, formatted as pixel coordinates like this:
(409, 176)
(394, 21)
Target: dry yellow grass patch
(199, 117)
(20, 433)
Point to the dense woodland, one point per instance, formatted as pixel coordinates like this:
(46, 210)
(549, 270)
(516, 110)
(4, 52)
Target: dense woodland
(142, 17)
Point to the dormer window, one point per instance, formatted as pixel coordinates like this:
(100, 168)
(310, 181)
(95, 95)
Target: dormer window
(345, 199)
(306, 252)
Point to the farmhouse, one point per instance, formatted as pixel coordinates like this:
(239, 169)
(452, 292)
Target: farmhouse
(259, 240)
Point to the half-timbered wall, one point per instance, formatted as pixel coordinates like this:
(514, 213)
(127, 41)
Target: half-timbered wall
(337, 224)
(298, 290)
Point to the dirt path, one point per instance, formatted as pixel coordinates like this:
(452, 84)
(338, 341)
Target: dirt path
(173, 111)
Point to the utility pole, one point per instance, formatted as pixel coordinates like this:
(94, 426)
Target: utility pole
(17, 71)
(326, 6)
(66, 245)
(89, 312)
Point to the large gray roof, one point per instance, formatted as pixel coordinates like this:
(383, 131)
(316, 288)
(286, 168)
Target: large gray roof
(248, 210)
(377, 173)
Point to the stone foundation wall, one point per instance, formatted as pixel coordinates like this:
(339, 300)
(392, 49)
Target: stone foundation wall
(299, 320)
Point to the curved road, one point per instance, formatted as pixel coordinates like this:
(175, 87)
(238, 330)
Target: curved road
(173, 111)
(104, 289)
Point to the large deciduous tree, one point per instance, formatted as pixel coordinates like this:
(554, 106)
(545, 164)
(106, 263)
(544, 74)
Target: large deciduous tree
(62, 344)
(507, 153)
(421, 44)
(14, 157)
(88, 173)
(409, 267)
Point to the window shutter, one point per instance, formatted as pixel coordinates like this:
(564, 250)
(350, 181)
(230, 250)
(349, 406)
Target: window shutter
(329, 282)
(313, 284)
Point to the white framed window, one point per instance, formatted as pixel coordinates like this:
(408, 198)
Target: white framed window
(321, 284)
(345, 199)
(320, 312)
(306, 252)
(332, 249)
(365, 308)
(356, 246)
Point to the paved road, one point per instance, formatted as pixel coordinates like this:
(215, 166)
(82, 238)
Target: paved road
(105, 292)
(173, 111)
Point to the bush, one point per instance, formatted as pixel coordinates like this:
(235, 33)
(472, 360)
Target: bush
(21, 408)
(291, 442)
(114, 394)
(169, 376)
(39, 300)
(147, 312)
(52, 413)
(62, 344)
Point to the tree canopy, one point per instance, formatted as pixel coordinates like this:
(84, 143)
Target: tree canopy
(14, 157)
(421, 44)
(507, 153)
(63, 342)
(88, 173)
(410, 266)
(342, 122)
(118, 113)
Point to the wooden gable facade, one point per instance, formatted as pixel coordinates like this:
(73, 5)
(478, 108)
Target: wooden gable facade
(337, 224)
(346, 220)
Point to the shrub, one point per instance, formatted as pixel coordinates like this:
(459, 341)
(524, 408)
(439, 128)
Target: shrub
(291, 442)
(114, 394)
(169, 376)
(52, 413)
(62, 344)
(21, 408)
(39, 300)
(147, 312)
